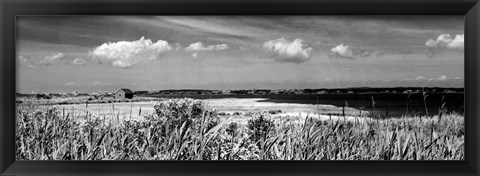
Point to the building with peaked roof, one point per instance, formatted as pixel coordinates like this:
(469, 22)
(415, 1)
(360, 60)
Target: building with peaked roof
(123, 93)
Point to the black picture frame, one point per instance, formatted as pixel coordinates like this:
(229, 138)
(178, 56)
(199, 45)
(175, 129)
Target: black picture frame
(10, 9)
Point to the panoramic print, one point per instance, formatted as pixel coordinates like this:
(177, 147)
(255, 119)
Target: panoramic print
(240, 88)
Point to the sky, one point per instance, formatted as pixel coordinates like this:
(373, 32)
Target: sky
(104, 53)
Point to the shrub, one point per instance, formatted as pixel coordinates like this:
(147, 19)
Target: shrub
(259, 128)
(180, 111)
(232, 129)
(275, 111)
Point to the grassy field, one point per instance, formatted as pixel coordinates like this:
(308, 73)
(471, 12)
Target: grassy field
(185, 129)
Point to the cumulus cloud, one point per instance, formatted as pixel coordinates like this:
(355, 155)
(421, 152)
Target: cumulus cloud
(420, 78)
(446, 41)
(288, 51)
(342, 51)
(457, 42)
(128, 53)
(345, 51)
(441, 78)
(79, 61)
(199, 46)
(52, 59)
(22, 59)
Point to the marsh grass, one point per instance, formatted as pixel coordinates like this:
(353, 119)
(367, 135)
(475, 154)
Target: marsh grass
(185, 129)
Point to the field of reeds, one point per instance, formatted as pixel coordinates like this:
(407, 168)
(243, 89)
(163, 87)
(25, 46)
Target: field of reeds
(186, 129)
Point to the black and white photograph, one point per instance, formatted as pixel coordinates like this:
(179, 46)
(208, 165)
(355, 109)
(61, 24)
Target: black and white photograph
(279, 87)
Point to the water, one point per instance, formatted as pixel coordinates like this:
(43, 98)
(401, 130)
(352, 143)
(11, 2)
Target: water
(393, 104)
(386, 105)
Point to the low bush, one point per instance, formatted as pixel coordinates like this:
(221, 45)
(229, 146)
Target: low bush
(259, 128)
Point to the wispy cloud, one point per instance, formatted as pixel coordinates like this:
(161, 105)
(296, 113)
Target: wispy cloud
(345, 51)
(98, 83)
(295, 47)
(199, 46)
(70, 83)
(206, 25)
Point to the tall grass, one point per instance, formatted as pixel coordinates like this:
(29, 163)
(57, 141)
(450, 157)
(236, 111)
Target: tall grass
(185, 129)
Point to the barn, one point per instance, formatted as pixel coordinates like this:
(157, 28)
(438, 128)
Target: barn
(123, 93)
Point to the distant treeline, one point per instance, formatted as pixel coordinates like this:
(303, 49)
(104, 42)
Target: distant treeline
(358, 90)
